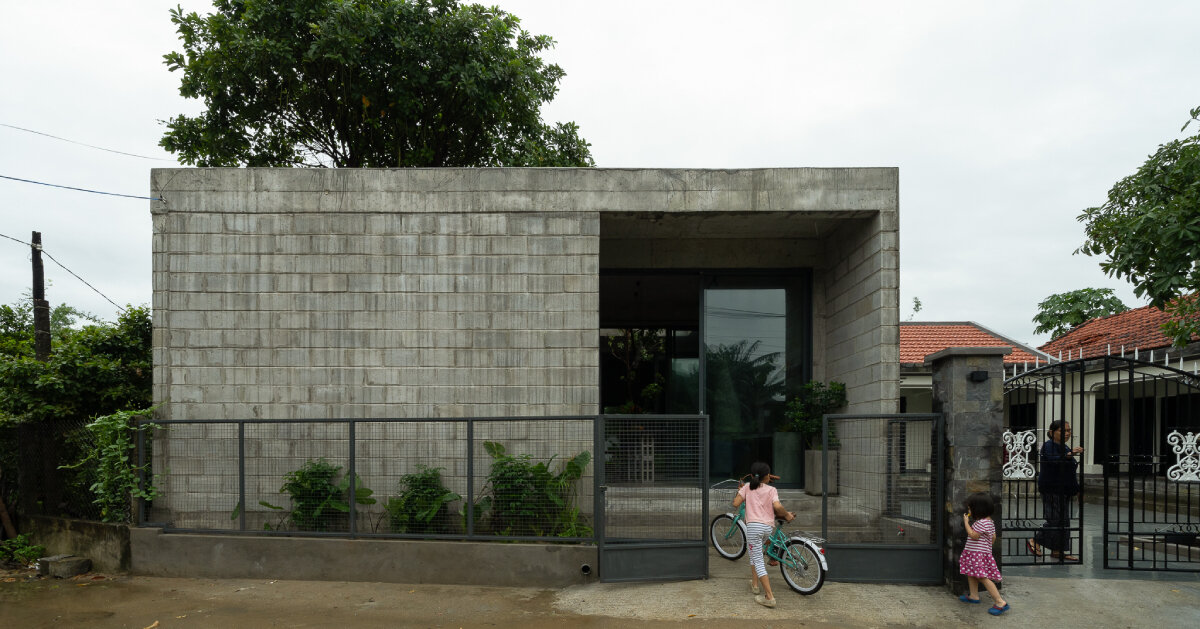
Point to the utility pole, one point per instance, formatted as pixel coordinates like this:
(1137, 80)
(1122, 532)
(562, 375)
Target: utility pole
(41, 307)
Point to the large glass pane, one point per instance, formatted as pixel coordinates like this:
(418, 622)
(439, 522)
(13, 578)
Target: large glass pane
(745, 350)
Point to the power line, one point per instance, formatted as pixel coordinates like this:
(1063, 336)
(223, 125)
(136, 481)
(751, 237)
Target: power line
(91, 146)
(120, 309)
(54, 185)
(15, 240)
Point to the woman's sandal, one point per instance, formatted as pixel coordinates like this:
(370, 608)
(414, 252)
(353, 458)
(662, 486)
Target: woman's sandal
(1033, 549)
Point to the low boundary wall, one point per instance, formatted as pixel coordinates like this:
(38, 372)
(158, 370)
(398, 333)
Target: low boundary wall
(107, 545)
(376, 560)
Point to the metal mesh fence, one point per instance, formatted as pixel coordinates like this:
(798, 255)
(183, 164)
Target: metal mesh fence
(43, 485)
(882, 487)
(654, 478)
(461, 478)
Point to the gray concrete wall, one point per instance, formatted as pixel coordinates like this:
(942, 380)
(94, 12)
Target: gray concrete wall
(388, 561)
(322, 293)
(858, 314)
(107, 545)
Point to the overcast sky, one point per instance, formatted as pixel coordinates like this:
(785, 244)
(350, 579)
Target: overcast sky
(1006, 119)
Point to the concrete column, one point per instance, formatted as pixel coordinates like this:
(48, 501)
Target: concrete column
(968, 389)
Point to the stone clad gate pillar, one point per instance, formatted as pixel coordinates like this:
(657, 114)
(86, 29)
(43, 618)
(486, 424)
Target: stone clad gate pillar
(968, 389)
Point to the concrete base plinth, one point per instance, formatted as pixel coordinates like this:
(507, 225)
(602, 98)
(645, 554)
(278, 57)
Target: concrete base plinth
(380, 560)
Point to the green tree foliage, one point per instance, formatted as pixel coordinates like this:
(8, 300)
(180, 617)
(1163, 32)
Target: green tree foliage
(16, 325)
(1149, 232)
(97, 370)
(366, 83)
(1061, 312)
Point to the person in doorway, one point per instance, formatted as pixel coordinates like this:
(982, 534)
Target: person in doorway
(976, 561)
(1057, 483)
(762, 507)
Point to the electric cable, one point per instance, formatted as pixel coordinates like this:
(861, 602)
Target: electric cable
(91, 146)
(54, 185)
(85, 282)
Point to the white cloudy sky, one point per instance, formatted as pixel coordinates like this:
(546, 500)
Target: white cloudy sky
(1005, 119)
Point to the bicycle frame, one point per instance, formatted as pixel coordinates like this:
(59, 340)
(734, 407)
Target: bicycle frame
(777, 541)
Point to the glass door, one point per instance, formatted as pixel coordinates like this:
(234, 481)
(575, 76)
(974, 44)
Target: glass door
(745, 374)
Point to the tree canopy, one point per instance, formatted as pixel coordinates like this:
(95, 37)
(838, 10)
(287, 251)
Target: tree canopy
(1149, 232)
(1061, 312)
(97, 370)
(366, 83)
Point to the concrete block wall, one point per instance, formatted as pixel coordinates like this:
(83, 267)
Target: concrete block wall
(442, 293)
(857, 318)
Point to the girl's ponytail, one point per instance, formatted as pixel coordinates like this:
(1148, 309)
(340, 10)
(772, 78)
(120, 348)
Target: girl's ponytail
(758, 473)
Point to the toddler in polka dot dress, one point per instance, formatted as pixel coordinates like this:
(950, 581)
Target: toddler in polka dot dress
(977, 562)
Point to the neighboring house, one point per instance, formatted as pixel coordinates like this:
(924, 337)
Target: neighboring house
(919, 339)
(1128, 404)
(476, 292)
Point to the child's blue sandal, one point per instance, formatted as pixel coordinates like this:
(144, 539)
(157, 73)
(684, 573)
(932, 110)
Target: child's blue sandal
(966, 599)
(996, 611)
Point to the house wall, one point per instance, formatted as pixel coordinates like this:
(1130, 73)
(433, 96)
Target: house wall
(441, 293)
(858, 311)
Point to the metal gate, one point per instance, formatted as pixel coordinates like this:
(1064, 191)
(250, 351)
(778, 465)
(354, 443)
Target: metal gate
(1139, 470)
(651, 497)
(881, 483)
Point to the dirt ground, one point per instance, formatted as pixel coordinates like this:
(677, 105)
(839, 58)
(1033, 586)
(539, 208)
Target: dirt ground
(111, 601)
(122, 601)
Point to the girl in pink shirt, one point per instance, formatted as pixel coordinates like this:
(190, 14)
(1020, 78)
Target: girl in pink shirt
(762, 507)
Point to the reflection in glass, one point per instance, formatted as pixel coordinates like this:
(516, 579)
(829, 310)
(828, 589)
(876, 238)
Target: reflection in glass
(744, 348)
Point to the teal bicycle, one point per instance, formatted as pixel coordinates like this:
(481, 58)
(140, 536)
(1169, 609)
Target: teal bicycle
(800, 556)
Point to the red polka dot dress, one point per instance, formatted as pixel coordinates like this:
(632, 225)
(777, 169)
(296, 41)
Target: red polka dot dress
(977, 560)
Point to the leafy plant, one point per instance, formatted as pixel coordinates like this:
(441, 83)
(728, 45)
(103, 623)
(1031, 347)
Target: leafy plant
(1062, 312)
(385, 83)
(421, 505)
(19, 549)
(93, 371)
(526, 498)
(805, 411)
(635, 347)
(117, 477)
(318, 496)
(1148, 232)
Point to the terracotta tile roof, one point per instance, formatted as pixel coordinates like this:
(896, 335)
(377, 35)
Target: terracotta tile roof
(1140, 328)
(919, 339)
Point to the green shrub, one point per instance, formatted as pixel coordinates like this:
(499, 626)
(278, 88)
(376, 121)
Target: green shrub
(421, 505)
(522, 497)
(319, 498)
(19, 549)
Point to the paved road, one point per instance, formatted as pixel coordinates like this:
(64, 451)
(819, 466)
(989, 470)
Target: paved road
(138, 602)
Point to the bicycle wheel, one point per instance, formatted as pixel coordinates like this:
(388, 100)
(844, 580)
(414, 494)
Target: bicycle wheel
(802, 568)
(727, 537)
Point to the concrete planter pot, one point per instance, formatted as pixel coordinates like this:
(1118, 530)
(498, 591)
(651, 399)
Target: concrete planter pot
(812, 472)
(787, 460)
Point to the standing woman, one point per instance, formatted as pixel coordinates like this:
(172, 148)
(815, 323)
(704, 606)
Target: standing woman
(762, 507)
(1058, 483)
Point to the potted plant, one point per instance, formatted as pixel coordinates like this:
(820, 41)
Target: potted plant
(803, 418)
